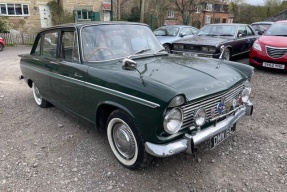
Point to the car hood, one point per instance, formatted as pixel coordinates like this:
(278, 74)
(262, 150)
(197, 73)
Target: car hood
(204, 40)
(273, 41)
(193, 77)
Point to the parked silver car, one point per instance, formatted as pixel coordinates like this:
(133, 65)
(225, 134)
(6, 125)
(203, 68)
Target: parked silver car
(170, 33)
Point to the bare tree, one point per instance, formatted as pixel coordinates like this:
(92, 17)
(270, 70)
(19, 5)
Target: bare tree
(185, 9)
(159, 9)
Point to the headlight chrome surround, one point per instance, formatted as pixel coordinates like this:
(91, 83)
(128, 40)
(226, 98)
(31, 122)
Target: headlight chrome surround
(246, 92)
(177, 101)
(200, 117)
(173, 120)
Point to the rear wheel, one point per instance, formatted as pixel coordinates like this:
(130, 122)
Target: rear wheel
(41, 102)
(125, 141)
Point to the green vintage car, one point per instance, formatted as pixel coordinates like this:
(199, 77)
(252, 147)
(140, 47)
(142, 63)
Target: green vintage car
(117, 77)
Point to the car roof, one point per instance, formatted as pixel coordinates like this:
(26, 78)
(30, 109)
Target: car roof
(262, 22)
(80, 25)
(165, 26)
(282, 21)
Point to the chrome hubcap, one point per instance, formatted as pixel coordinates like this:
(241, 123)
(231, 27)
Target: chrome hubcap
(124, 140)
(37, 94)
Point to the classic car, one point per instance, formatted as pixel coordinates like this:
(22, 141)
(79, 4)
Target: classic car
(237, 38)
(119, 78)
(2, 43)
(261, 26)
(270, 50)
(170, 33)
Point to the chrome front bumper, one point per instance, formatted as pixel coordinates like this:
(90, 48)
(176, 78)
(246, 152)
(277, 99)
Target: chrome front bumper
(189, 142)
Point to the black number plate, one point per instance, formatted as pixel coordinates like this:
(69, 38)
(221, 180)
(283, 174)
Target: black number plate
(217, 139)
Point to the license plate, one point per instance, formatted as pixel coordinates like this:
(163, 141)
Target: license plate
(273, 65)
(217, 139)
(189, 54)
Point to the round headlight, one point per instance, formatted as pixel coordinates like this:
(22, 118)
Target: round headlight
(200, 117)
(173, 120)
(245, 95)
(247, 85)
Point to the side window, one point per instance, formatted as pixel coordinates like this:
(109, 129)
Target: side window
(50, 40)
(187, 31)
(242, 30)
(37, 50)
(249, 31)
(69, 46)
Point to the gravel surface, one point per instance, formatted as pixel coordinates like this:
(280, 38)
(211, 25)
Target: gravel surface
(47, 150)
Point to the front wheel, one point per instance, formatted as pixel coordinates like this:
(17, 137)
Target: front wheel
(167, 48)
(226, 55)
(125, 141)
(41, 102)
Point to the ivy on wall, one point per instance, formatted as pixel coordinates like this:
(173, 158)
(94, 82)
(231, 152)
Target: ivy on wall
(4, 25)
(59, 15)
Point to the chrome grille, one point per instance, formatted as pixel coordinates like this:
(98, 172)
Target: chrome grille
(276, 52)
(208, 103)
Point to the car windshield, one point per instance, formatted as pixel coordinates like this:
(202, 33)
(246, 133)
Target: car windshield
(277, 29)
(261, 27)
(217, 30)
(166, 31)
(107, 42)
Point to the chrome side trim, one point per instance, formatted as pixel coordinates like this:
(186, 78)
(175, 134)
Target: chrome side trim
(99, 88)
(190, 141)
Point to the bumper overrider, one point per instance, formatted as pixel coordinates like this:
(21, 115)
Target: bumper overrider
(190, 141)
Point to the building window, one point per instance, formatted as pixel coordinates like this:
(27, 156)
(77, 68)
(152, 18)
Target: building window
(216, 20)
(170, 14)
(83, 14)
(14, 9)
(197, 9)
(208, 7)
(207, 19)
(223, 20)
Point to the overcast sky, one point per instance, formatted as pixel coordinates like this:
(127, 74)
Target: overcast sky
(254, 2)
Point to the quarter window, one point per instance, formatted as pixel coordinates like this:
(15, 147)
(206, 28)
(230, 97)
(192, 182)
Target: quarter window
(14, 9)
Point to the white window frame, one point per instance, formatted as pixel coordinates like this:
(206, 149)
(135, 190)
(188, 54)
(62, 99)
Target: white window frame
(88, 15)
(207, 19)
(197, 9)
(22, 5)
(209, 7)
(170, 14)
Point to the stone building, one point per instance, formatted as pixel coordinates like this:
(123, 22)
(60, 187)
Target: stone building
(33, 15)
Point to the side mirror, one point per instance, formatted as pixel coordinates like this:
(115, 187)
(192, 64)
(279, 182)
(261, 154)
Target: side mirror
(240, 35)
(129, 65)
(260, 32)
(182, 34)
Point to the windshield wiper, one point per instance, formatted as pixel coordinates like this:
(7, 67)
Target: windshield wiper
(139, 52)
(161, 50)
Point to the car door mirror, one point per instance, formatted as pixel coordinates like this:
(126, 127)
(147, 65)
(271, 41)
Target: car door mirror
(240, 35)
(129, 64)
(182, 34)
(260, 32)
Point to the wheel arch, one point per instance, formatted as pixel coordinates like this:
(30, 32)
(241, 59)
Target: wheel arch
(104, 110)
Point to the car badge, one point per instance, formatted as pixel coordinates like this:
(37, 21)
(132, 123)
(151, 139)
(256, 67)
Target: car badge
(227, 106)
(220, 107)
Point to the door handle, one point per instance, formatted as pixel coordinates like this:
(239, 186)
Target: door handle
(36, 59)
(78, 75)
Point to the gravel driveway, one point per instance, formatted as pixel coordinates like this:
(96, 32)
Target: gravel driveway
(47, 150)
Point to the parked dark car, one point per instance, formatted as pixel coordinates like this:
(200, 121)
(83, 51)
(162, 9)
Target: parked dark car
(270, 50)
(117, 77)
(238, 38)
(2, 43)
(261, 26)
(170, 33)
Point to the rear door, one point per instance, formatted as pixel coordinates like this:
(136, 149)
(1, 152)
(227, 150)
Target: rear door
(244, 41)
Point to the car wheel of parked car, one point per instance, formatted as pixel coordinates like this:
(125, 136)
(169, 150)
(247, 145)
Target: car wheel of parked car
(41, 102)
(167, 48)
(1, 46)
(125, 141)
(226, 55)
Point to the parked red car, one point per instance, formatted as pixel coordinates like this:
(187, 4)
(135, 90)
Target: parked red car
(2, 44)
(270, 50)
